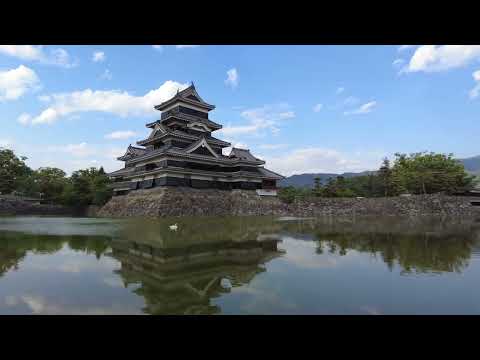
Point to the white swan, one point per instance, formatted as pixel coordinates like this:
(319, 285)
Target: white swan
(173, 227)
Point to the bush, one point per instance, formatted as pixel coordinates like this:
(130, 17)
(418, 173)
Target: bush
(289, 194)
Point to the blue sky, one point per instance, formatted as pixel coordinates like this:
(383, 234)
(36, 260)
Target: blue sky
(301, 108)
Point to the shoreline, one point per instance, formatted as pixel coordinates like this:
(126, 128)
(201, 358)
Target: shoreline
(182, 201)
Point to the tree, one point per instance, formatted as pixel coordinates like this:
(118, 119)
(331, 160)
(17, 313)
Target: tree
(338, 187)
(101, 190)
(87, 187)
(427, 173)
(317, 190)
(385, 175)
(13, 171)
(50, 182)
(290, 193)
(330, 189)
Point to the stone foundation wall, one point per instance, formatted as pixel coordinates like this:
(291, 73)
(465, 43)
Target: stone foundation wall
(19, 207)
(182, 201)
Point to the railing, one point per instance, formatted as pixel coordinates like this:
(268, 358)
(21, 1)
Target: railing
(184, 116)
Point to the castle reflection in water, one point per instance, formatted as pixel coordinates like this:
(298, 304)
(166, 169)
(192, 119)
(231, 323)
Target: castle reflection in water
(181, 273)
(188, 271)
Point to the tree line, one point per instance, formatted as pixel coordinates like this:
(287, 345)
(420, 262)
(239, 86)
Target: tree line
(84, 187)
(416, 173)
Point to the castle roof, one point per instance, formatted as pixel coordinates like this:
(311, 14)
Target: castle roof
(189, 96)
(161, 131)
(243, 154)
(132, 151)
(187, 118)
(270, 173)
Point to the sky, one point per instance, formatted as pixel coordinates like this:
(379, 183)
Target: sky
(303, 109)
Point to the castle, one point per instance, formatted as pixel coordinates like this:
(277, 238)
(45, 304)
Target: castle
(181, 151)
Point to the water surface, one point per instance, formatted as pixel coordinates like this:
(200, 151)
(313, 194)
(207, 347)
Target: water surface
(238, 265)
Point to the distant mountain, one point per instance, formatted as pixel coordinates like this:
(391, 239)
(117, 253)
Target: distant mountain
(472, 165)
(308, 180)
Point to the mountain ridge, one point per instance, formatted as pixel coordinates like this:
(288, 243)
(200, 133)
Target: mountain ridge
(471, 164)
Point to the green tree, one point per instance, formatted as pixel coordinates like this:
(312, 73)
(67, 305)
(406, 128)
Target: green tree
(13, 171)
(426, 173)
(385, 176)
(289, 194)
(317, 189)
(87, 187)
(50, 182)
(101, 190)
(330, 189)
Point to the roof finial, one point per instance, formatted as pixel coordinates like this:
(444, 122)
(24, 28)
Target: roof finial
(192, 84)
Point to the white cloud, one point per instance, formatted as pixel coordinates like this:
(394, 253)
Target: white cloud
(24, 119)
(364, 109)
(114, 153)
(23, 52)
(235, 144)
(57, 56)
(98, 56)
(405, 47)
(160, 48)
(77, 150)
(286, 115)
(109, 101)
(70, 157)
(117, 135)
(302, 254)
(232, 78)
(240, 130)
(272, 146)
(433, 58)
(476, 90)
(186, 46)
(44, 98)
(318, 107)
(61, 57)
(398, 62)
(267, 117)
(351, 100)
(15, 83)
(43, 306)
(321, 160)
(476, 75)
(107, 75)
(340, 90)
(6, 143)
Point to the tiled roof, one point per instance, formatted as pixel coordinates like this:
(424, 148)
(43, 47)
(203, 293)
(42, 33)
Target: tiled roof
(137, 151)
(186, 117)
(124, 171)
(182, 134)
(188, 95)
(243, 154)
(176, 151)
(132, 151)
(270, 173)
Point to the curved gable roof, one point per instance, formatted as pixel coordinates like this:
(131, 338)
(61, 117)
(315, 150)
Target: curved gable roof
(188, 95)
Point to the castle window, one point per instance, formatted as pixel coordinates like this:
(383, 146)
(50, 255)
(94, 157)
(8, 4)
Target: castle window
(150, 166)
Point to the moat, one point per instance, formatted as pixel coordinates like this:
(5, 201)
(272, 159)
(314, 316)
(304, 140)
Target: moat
(239, 265)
